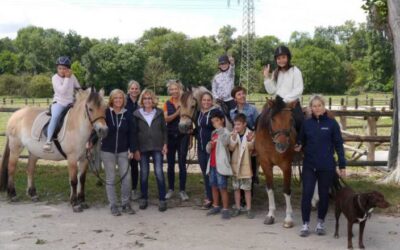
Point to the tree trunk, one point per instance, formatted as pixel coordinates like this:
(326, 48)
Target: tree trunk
(394, 154)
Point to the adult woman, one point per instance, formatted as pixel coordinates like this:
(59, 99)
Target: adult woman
(116, 149)
(204, 129)
(177, 142)
(152, 142)
(64, 83)
(132, 104)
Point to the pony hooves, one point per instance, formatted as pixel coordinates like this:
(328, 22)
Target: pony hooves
(84, 205)
(77, 208)
(269, 220)
(288, 224)
(35, 198)
(13, 198)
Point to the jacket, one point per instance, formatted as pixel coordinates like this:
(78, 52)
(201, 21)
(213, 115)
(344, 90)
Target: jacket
(204, 128)
(222, 152)
(241, 156)
(223, 83)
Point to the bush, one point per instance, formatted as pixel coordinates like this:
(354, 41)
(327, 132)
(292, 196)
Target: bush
(10, 85)
(40, 86)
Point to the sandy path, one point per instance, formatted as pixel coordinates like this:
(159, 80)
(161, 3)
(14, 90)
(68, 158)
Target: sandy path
(40, 226)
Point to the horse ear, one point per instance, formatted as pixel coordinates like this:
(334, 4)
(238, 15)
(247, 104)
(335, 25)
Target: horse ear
(101, 92)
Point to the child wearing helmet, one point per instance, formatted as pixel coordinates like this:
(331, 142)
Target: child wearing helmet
(64, 83)
(286, 81)
(223, 81)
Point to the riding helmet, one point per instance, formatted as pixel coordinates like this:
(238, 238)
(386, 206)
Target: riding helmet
(64, 61)
(283, 50)
(223, 59)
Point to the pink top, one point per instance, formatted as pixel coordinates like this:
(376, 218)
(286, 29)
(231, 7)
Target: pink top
(64, 89)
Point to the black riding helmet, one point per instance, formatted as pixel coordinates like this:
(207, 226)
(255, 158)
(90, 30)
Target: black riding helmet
(64, 61)
(223, 59)
(283, 50)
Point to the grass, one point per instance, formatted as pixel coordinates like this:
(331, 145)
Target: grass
(53, 187)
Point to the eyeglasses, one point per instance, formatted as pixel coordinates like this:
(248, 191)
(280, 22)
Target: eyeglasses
(147, 98)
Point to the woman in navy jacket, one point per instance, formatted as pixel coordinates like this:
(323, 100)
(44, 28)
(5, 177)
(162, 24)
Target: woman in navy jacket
(319, 137)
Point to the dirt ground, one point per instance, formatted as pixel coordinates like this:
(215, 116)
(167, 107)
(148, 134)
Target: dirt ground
(26, 225)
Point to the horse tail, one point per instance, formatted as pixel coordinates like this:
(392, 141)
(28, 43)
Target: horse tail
(4, 167)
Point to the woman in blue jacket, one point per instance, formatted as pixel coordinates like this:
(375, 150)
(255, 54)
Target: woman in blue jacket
(319, 137)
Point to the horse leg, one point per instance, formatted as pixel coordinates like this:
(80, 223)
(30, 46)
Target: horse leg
(270, 219)
(73, 179)
(287, 174)
(15, 150)
(31, 190)
(81, 183)
(315, 197)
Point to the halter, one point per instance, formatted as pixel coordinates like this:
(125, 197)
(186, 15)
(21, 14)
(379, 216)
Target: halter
(90, 118)
(286, 132)
(191, 117)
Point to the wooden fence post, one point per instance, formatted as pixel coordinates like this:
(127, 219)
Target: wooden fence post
(330, 103)
(4, 100)
(356, 103)
(371, 102)
(343, 119)
(371, 131)
(391, 103)
(26, 101)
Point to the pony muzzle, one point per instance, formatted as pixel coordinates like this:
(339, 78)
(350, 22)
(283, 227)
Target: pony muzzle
(101, 130)
(184, 127)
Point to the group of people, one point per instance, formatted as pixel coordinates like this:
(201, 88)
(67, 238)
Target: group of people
(139, 130)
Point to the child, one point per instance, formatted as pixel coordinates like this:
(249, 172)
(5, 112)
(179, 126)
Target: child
(224, 80)
(286, 81)
(64, 83)
(241, 144)
(218, 167)
(319, 137)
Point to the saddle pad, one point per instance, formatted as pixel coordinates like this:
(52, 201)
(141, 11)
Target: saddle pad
(42, 120)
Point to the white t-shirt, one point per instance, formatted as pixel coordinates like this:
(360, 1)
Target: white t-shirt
(148, 116)
(64, 89)
(289, 85)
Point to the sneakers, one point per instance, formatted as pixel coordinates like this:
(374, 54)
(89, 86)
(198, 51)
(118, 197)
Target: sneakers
(320, 228)
(115, 211)
(142, 204)
(214, 210)
(128, 209)
(305, 230)
(162, 206)
(47, 147)
(183, 195)
(250, 214)
(225, 214)
(206, 205)
(235, 212)
(169, 194)
(135, 195)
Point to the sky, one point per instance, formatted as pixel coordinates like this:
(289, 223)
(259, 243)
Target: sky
(128, 19)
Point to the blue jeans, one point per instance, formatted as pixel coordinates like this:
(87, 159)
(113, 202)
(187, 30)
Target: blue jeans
(217, 180)
(203, 160)
(158, 171)
(134, 173)
(56, 110)
(177, 143)
(310, 177)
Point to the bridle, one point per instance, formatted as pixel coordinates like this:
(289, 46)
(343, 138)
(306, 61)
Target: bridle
(92, 121)
(192, 117)
(286, 132)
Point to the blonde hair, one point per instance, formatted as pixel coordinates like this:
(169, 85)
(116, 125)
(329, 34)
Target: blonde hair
(317, 97)
(176, 83)
(113, 94)
(133, 82)
(152, 95)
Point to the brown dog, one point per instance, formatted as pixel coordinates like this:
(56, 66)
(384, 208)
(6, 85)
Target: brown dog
(357, 208)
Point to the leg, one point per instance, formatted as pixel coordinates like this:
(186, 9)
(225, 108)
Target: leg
(215, 196)
(222, 185)
(267, 169)
(158, 171)
(109, 162)
(15, 150)
(338, 211)
(247, 194)
(81, 183)
(73, 178)
(349, 235)
(360, 237)
(56, 110)
(309, 179)
(182, 154)
(31, 190)
(172, 148)
(287, 176)
(237, 198)
(134, 173)
(203, 160)
(214, 186)
(298, 117)
(123, 167)
(325, 179)
(144, 174)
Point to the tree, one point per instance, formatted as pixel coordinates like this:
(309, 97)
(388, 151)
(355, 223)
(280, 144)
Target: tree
(8, 62)
(156, 75)
(225, 37)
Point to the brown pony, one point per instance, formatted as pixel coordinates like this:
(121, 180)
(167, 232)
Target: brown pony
(87, 114)
(274, 143)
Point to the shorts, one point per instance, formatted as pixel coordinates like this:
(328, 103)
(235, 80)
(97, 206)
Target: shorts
(243, 184)
(217, 179)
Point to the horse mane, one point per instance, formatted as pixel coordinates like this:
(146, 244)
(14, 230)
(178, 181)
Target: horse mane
(270, 109)
(90, 96)
(185, 97)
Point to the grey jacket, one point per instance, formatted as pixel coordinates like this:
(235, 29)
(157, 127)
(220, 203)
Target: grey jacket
(222, 152)
(151, 138)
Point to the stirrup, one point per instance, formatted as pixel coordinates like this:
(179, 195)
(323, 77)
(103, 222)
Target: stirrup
(47, 147)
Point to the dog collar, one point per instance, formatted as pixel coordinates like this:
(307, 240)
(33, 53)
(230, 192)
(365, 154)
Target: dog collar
(367, 214)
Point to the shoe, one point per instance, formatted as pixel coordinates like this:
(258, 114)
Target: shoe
(305, 230)
(115, 211)
(235, 212)
(142, 204)
(47, 147)
(128, 209)
(135, 195)
(226, 214)
(250, 214)
(169, 194)
(214, 210)
(320, 228)
(183, 195)
(206, 205)
(162, 206)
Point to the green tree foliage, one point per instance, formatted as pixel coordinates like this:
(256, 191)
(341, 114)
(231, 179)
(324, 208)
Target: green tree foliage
(40, 86)
(8, 62)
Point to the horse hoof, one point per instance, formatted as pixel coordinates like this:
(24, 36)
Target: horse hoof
(35, 198)
(77, 208)
(288, 224)
(84, 205)
(269, 220)
(336, 236)
(14, 199)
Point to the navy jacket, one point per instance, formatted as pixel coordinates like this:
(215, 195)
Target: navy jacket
(320, 138)
(172, 126)
(121, 132)
(204, 128)
(130, 105)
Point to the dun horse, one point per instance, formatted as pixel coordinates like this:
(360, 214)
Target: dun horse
(274, 143)
(88, 113)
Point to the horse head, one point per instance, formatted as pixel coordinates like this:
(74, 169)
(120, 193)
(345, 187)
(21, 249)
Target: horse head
(280, 123)
(95, 108)
(187, 111)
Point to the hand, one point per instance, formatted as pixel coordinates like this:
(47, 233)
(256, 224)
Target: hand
(342, 173)
(130, 155)
(165, 149)
(234, 135)
(137, 155)
(68, 73)
(232, 60)
(89, 145)
(297, 148)
(266, 71)
(250, 136)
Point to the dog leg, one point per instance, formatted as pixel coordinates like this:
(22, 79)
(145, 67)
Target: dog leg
(360, 237)
(337, 216)
(349, 235)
